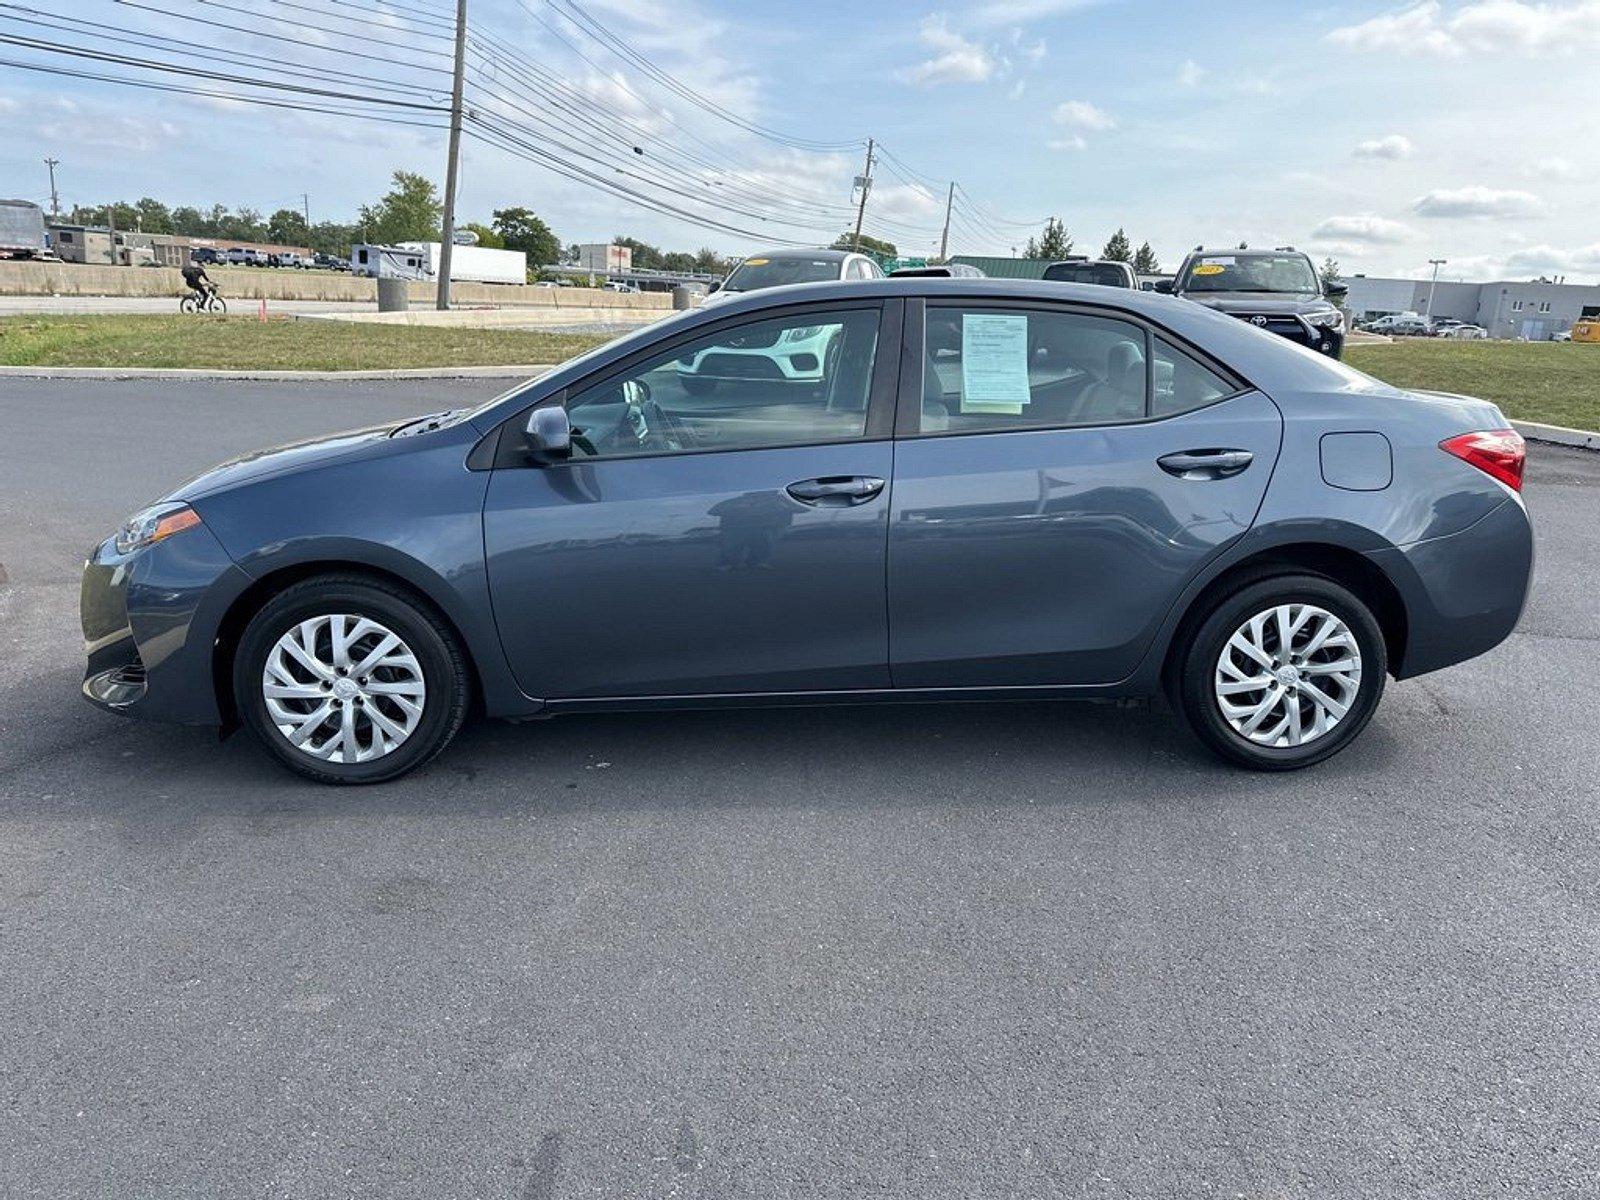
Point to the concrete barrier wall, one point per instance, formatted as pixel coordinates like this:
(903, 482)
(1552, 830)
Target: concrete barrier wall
(245, 283)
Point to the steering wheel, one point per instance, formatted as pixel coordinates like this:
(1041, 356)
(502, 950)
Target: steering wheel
(646, 425)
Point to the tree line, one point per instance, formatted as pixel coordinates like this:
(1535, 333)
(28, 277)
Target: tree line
(1055, 244)
(411, 211)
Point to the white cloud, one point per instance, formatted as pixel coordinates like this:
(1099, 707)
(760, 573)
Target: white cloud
(1191, 73)
(1477, 202)
(1360, 228)
(1080, 114)
(1483, 26)
(1391, 147)
(1556, 168)
(957, 59)
(1074, 118)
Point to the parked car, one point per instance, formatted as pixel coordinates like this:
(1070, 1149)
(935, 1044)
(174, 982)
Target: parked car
(987, 495)
(1101, 272)
(1385, 323)
(207, 256)
(938, 271)
(1275, 290)
(777, 268)
(1464, 332)
(617, 285)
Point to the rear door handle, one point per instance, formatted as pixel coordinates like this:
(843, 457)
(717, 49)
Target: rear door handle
(836, 490)
(1205, 464)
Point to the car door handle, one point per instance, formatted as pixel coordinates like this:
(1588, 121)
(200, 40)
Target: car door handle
(1205, 464)
(838, 490)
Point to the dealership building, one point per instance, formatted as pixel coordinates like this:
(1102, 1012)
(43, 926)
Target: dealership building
(1534, 310)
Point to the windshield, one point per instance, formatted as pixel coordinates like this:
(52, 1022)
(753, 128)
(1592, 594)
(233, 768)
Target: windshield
(1103, 274)
(1250, 273)
(755, 273)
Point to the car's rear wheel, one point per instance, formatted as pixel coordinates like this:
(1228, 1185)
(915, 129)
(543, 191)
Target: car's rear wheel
(1283, 673)
(350, 680)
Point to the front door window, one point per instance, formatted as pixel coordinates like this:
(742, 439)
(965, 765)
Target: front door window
(803, 379)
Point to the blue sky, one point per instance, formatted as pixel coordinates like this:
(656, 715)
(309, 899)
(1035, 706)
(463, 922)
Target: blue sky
(1383, 134)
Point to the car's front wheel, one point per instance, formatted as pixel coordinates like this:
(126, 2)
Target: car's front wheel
(350, 680)
(1282, 673)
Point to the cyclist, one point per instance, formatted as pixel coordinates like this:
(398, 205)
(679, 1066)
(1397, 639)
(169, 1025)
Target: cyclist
(199, 282)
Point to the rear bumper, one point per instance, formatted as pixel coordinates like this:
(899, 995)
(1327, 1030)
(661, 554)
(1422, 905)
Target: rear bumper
(1463, 593)
(150, 622)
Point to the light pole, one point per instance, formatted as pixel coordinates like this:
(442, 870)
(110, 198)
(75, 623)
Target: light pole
(55, 197)
(453, 166)
(1437, 263)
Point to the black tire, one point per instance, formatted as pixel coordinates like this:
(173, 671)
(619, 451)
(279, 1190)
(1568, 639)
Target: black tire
(218, 306)
(1195, 693)
(187, 305)
(697, 385)
(444, 667)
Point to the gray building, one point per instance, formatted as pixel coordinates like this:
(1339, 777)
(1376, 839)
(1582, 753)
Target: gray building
(1534, 310)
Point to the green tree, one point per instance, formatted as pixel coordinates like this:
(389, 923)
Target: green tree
(645, 256)
(1330, 273)
(154, 216)
(1118, 249)
(869, 245)
(188, 221)
(287, 227)
(486, 237)
(520, 229)
(1053, 244)
(332, 237)
(410, 212)
(709, 261)
(1145, 261)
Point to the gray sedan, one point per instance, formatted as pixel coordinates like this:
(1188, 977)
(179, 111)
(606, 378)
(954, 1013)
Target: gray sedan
(906, 489)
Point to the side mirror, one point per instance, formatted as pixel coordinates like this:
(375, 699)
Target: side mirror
(1337, 291)
(716, 286)
(548, 434)
(1164, 286)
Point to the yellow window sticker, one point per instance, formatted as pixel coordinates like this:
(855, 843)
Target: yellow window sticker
(756, 262)
(1209, 269)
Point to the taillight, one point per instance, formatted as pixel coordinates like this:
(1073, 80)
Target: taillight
(1499, 453)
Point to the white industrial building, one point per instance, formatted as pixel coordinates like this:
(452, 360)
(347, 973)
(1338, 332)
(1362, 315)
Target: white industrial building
(1534, 310)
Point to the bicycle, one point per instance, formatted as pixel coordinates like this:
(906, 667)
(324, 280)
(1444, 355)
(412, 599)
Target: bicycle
(209, 301)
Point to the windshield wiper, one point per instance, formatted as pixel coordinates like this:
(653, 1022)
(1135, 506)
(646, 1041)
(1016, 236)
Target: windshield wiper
(426, 424)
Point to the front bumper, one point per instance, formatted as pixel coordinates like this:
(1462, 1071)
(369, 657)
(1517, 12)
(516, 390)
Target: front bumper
(150, 624)
(1324, 339)
(787, 362)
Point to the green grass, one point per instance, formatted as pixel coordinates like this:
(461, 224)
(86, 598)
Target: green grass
(243, 343)
(1557, 383)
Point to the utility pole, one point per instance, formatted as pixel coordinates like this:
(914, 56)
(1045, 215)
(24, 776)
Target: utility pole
(305, 199)
(865, 183)
(55, 197)
(944, 238)
(453, 167)
(1437, 263)
(111, 224)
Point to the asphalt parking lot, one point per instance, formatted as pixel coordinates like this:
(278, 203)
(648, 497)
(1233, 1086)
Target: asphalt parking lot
(1021, 950)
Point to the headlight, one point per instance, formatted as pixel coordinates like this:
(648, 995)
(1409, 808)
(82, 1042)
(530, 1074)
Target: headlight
(1332, 319)
(153, 525)
(804, 334)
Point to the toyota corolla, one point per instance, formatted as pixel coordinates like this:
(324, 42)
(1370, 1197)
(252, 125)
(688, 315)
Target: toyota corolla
(988, 490)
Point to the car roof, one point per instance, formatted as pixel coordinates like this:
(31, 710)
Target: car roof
(819, 252)
(1246, 251)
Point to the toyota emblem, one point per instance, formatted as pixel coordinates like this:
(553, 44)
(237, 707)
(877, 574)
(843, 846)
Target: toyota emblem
(1258, 320)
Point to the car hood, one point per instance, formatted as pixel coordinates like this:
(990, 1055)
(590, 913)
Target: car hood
(1259, 302)
(274, 460)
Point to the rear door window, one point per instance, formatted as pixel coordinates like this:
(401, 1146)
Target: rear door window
(992, 369)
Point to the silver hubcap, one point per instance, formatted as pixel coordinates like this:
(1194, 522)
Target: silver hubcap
(1288, 675)
(343, 688)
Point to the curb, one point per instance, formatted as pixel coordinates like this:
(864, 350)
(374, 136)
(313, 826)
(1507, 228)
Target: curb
(1558, 435)
(489, 372)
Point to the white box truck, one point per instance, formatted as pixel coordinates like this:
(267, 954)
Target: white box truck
(473, 264)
